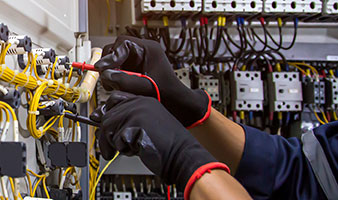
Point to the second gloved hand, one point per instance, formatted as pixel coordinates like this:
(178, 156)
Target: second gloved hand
(138, 125)
(190, 107)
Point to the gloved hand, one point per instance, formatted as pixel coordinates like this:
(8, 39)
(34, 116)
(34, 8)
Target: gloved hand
(138, 125)
(190, 107)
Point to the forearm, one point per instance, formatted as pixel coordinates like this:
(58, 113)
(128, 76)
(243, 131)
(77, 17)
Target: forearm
(223, 138)
(218, 185)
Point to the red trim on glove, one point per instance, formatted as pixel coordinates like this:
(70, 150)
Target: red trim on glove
(200, 172)
(205, 117)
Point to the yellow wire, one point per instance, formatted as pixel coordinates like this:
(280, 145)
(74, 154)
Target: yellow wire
(12, 187)
(320, 121)
(3, 53)
(324, 116)
(53, 68)
(78, 81)
(30, 184)
(300, 69)
(102, 172)
(47, 73)
(314, 70)
(30, 58)
(332, 73)
(36, 186)
(334, 115)
(70, 75)
(45, 187)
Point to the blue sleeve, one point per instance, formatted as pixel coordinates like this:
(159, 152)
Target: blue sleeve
(273, 167)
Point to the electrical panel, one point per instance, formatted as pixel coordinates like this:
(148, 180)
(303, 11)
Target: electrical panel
(228, 6)
(162, 6)
(285, 91)
(292, 6)
(247, 92)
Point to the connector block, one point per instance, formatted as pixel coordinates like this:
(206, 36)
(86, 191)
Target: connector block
(331, 88)
(237, 6)
(163, 6)
(246, 91)
(20, 44)
(12, 98)
(293, 6)
(313, 91)
(183, 75)
(210, 85)
(46, 56)
(285, 91)
(331, 7)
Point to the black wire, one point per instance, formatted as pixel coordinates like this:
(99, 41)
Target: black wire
(192, 45)
(294, 38)
(252, 46)
(279, 45)
(167, 42)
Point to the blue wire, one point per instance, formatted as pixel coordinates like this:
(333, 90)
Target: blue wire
(250, 116)
(287, 67)
(287, 118)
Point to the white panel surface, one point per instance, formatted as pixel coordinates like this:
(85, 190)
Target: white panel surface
(332, 7)
(233, 6)
(171, 5)
(293, 6)
(50, 23)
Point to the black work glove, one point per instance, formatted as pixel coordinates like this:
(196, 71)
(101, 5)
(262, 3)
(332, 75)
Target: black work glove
(138, 125)
(190, 107)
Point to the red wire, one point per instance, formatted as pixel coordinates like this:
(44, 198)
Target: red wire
(168, 192)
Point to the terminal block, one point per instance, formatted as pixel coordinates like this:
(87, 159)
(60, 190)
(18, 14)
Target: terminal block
(13, 159)
(20, 44)
(57, 153)
(183, 75)
(331, 88)
(285, 91)
(46, 56)
(62, 67)
(222, 6)
(11, 96)
(331, 7)
(4, 32)
(77, 154)
(246, 91)
(211, 85)
(161, 6)
(313, 91)
(52, 108)
(293, 6)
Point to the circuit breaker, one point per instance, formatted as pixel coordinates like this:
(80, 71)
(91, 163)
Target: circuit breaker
(285, 91)
(246, 91)
(293, 6)
(313, 91)
(331, 86)
(211, 85)
(233, 6)
(171, 6)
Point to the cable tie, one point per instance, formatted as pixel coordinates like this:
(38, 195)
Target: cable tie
(41, 129)
(38, 82)
(50, 83)
(57, 89)
(16, 72)
(27, 81)
(66, 90)
(3, 67)
(34, 112)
